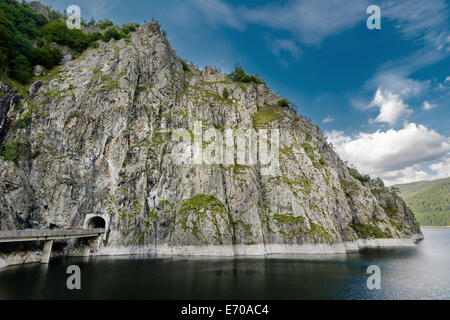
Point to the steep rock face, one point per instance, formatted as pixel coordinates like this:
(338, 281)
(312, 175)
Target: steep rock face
(100, 142)
(8, 98)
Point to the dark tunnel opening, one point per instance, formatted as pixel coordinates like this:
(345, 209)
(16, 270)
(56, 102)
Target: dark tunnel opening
(96, 223)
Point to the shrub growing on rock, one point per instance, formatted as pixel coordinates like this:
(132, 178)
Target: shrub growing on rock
(239, 75)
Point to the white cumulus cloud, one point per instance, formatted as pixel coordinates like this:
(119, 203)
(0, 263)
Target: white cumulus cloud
(392, 106)
(427, 106)
(442, 168)
(328, 119)
(381, 152)
(407, 175)
(216, 12)
(438, 170)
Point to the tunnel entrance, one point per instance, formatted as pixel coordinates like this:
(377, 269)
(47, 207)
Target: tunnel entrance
(96, 223)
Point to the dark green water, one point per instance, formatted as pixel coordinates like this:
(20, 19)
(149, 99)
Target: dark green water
(422, 272)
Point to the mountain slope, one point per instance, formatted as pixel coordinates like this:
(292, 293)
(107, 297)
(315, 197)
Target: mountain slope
(98, 139)
(429, 200)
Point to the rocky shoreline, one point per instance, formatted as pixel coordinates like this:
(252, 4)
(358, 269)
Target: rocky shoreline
(259, 250)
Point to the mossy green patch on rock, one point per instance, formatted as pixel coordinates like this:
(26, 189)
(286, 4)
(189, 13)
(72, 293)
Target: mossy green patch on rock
(288, 219)
(297, 185)
(239, 224)
(362, 178)
(206, 218)
(201, 203)
(366, 231)
(391, 212)
(398, 226)
(10, 152)
(238, 168)
(24, 121)
(16, 150)
(290, 227)
(288, 153)
(266, 115)
(74, 114)
(350, 188)
(310, 152)
(318, 231)
(377, 192)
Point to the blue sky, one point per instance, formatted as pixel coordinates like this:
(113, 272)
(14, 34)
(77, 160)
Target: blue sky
(382, 97)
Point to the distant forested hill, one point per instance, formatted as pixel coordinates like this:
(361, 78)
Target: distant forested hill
(429, 200)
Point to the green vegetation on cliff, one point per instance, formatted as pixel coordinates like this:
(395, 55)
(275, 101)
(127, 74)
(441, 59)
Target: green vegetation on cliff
(266, 115)
(429, 200)
(239, 75)
(193, 212)
(366, 231)
(28, 39)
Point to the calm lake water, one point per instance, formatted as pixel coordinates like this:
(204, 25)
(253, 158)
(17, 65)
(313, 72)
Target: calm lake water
(422, 272)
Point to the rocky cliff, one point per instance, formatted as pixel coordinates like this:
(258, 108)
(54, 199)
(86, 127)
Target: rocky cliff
(95, 137)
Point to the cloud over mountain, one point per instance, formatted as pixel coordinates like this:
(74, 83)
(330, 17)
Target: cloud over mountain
(392, 107)
(385, 153)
